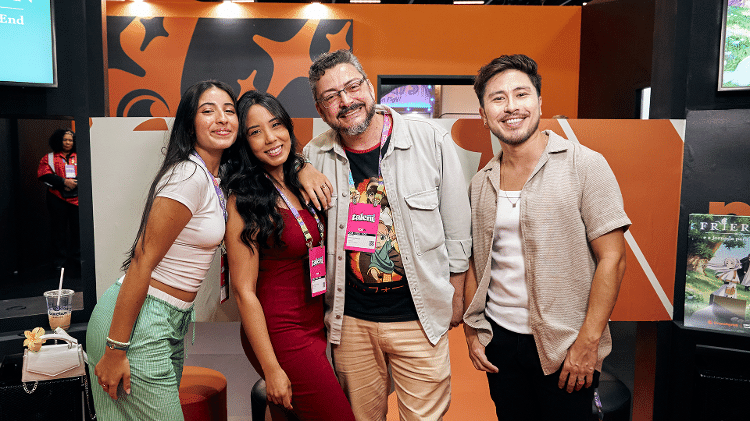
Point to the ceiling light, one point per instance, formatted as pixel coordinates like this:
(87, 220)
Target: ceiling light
(316, 10)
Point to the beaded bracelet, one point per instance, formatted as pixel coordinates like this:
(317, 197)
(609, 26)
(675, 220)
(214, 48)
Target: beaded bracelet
(120, 346)
(298, 166)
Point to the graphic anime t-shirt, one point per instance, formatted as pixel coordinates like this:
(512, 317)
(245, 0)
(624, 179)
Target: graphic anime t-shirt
(376, 287)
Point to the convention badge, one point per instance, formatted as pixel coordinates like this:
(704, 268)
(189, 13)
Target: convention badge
(362, 227)
(317, 270)
(70, 171)
(224, 289)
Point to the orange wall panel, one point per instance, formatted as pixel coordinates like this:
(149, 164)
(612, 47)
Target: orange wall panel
(426, 39)
(646, 158)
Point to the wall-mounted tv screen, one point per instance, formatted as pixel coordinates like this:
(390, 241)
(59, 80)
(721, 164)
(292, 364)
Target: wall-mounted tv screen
(27, 43)
(411, 98)
(734, 61)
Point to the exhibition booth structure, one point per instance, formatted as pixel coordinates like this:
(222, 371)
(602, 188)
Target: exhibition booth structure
(116, 71)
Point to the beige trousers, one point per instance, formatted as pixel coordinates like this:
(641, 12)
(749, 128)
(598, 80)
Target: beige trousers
(420, 371)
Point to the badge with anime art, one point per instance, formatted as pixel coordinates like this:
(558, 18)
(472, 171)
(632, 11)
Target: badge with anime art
(382, 263)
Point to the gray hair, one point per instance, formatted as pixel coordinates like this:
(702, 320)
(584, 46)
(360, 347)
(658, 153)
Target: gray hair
(330, 60)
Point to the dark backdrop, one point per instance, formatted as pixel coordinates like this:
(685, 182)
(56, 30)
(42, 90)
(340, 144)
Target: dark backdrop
(686, 53)
(697, 369)
(80, 94)
(616, 43)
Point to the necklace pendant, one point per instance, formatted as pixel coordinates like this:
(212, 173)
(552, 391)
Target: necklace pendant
(514, 204)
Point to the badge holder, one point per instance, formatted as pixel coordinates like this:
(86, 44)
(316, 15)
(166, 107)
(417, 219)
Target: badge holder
(362, 227)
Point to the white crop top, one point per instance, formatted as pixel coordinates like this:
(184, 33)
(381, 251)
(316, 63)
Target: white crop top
(186, 263)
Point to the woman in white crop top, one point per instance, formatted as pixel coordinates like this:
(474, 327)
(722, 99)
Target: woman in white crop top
(135, 334)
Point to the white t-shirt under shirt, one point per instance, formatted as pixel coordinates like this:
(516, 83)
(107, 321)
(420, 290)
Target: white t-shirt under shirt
(186, 263)
(508, 298)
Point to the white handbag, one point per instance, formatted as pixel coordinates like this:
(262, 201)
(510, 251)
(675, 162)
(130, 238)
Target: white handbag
(54, 361)
(56, 372)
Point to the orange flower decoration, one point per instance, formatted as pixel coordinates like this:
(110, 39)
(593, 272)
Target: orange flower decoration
(34, 339)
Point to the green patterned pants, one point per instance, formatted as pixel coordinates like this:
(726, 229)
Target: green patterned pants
(156, 357)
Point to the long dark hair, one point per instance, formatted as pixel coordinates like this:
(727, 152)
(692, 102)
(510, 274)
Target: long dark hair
(181, 144)
(256, 196)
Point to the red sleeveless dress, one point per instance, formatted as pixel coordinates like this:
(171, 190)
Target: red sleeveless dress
(295, 325)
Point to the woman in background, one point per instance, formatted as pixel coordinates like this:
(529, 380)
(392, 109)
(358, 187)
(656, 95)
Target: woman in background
(59, 171)
(135, 336)
(270, 234)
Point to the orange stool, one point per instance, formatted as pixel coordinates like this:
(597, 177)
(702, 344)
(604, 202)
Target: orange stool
(203, 394)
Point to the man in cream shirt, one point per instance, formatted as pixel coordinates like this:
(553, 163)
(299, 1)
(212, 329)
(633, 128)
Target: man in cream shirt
(391, 301)
(549, 255)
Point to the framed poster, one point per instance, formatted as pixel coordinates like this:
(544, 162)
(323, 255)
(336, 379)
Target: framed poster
(717, 281)
(734, 60)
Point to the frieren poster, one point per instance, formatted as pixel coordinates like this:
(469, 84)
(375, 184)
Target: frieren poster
(717, 284)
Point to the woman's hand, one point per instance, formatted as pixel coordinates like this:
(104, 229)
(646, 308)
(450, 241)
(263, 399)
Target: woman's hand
(316, 187)
(70, 184)
(113, 368)
(279, 388)
(167, 219)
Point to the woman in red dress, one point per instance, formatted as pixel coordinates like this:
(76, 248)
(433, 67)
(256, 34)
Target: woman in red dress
(270, 234)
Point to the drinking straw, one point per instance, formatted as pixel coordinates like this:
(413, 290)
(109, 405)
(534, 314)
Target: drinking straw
(59, 289)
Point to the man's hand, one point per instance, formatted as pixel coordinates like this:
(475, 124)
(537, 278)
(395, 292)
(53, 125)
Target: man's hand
(458, 309)
(578, 367)
(476, 351)
(457, 280)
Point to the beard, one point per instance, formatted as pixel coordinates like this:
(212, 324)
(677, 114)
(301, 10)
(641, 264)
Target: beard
(359, 128)
(517, 138)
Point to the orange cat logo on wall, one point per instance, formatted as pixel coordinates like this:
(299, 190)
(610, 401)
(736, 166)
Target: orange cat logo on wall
(153, 60)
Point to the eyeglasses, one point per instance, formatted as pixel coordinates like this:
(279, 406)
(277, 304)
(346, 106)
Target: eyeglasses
(332, 98)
